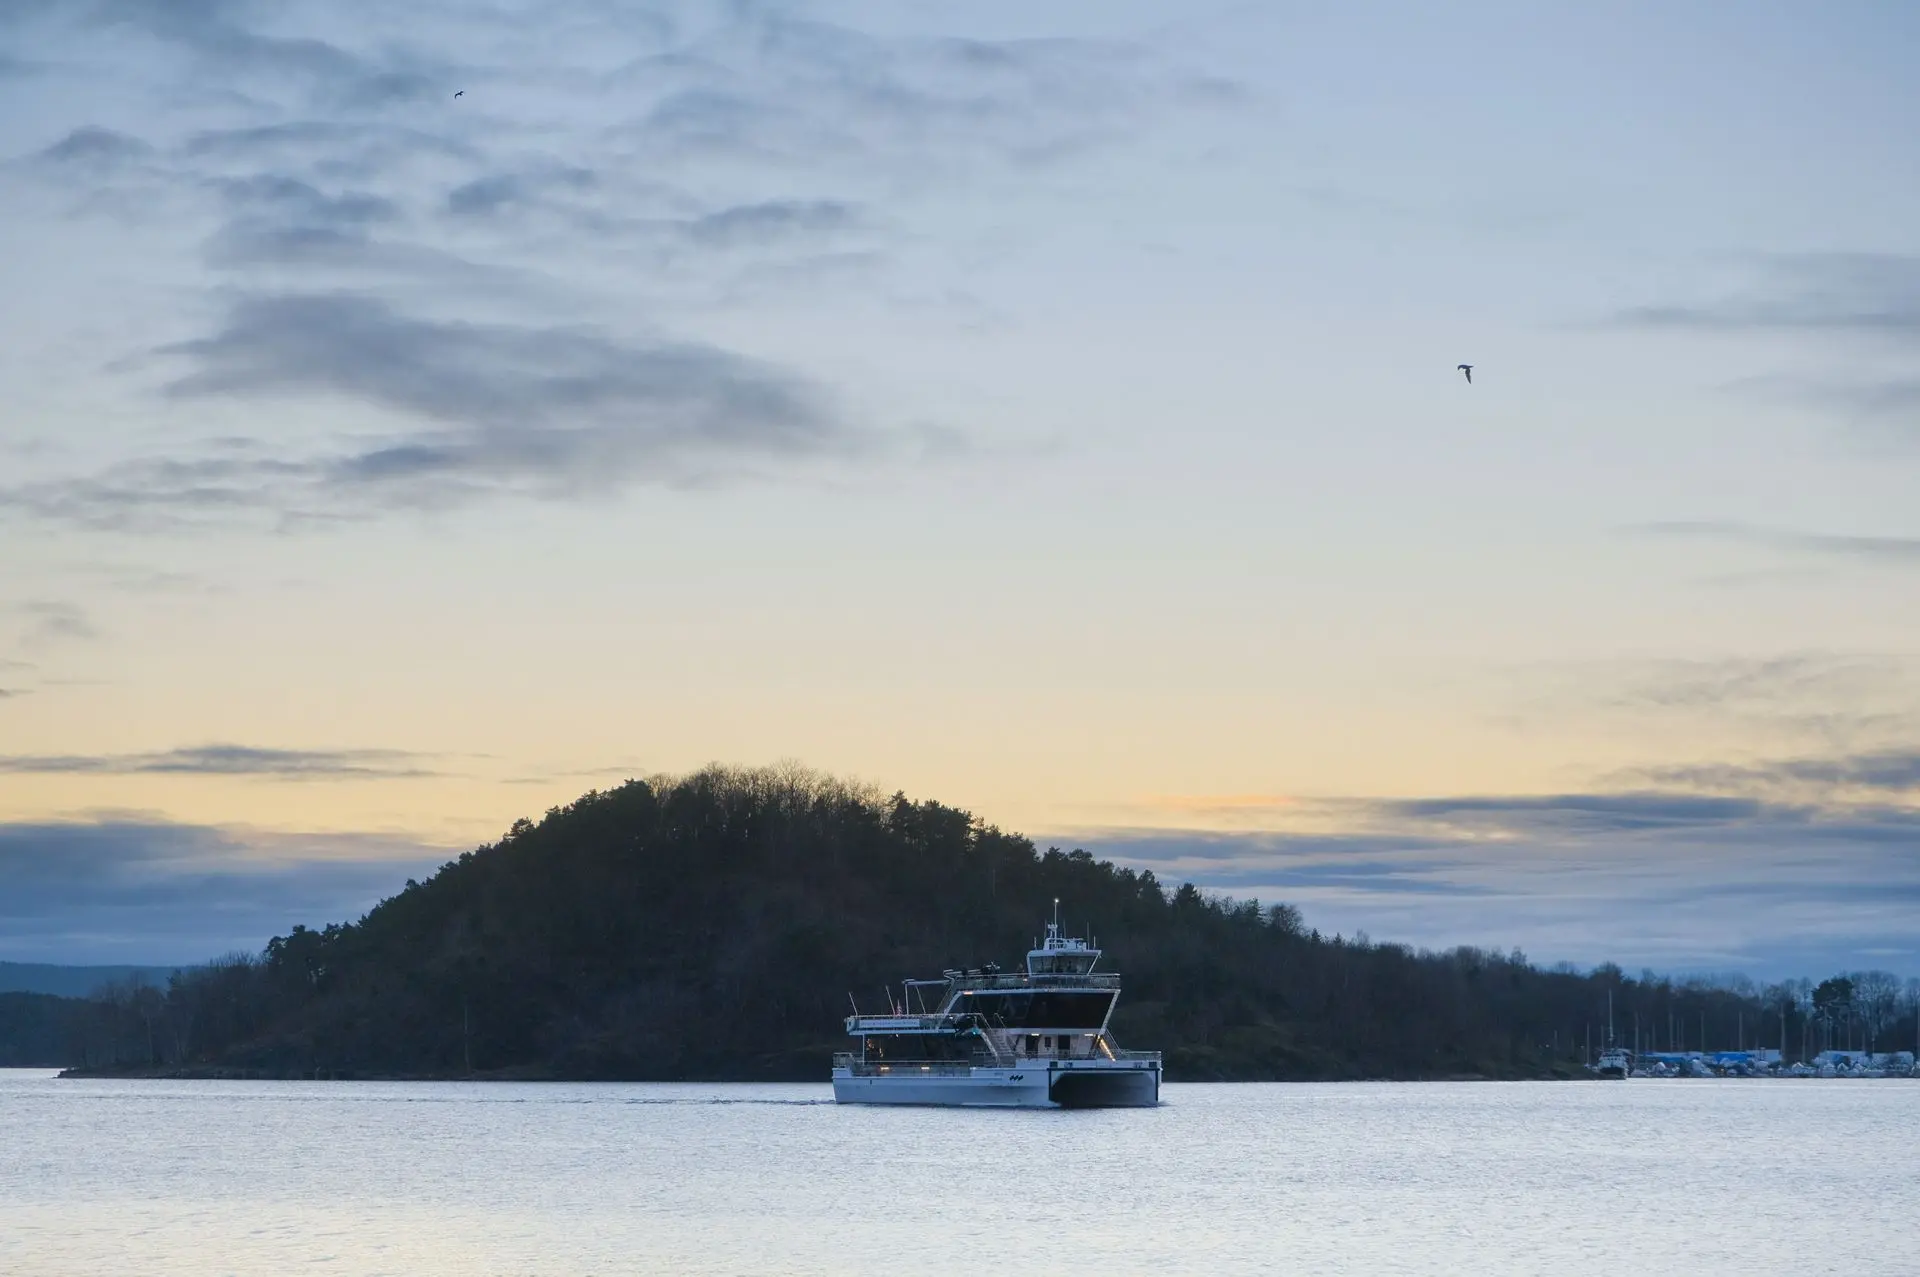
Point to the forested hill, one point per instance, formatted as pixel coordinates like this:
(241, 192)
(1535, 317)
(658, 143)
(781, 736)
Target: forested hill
(712, 928)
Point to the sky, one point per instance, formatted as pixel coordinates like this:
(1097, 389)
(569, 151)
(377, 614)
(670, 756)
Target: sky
(413, 416)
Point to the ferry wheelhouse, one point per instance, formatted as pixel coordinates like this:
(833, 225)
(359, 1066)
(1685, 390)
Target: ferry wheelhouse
(1032, 1039)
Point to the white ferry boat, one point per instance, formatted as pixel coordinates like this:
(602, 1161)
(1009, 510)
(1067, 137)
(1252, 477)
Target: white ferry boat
(1037, 1039)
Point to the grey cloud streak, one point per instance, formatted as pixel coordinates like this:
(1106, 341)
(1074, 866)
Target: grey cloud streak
(288, 197)
(96, 146)
(1834, 705)
(1848, 292)
(140, 889)
(230, 760)
(1892, 770)
(1678, 881)
(46, 623)
(1769, 682)
(218, 34)
(774, 88)
(487, 195)
(505, 408)
(520, 401)
(1892, 551)
(1868, 303)
(772, 219)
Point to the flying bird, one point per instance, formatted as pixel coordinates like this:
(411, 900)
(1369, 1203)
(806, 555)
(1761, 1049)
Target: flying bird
(460, 93)
(1468, 370)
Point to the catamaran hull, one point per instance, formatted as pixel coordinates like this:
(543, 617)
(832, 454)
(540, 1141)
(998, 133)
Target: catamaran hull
(1126, 1086)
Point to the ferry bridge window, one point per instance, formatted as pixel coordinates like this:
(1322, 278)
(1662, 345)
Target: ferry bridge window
(1043, 1009)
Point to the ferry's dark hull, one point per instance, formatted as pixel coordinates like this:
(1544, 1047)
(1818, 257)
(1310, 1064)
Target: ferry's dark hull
(1104, 1088)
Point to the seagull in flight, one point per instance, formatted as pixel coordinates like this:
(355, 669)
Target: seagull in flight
(460, 93)
(1468, 370)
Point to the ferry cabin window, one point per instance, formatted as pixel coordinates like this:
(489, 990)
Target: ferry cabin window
(883, 1047)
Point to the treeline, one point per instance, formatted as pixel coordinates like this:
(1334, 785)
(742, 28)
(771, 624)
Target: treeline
(714, 926)
(119, 1025)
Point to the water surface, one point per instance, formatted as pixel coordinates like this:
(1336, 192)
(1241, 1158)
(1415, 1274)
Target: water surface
(422, 1179)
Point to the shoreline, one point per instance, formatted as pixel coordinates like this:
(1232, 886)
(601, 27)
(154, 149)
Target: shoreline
(235, 1074)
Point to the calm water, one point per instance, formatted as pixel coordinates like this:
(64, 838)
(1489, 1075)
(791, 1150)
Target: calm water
(439, 1178)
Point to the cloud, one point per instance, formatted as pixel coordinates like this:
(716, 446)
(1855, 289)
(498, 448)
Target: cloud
(383, 160)
(230, 760)
(1791, 681)
(1893, 551)
(1846, 292)
(138, 889)
(490, 408)
(1677, 881)
(96, 148)
(49, 623)
(1896, 771)
(350, 252)
(289, 197)
(134, 578)
(1258, 810)
(774, 88)
(1573, 813)
(771, 219)
(576, 186)
(1868, 303)
(550, 404)
(215, 33)
(485, 196)
(1804, 703)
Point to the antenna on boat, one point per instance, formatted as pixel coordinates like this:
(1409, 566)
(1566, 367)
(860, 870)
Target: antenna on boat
(853, 1004)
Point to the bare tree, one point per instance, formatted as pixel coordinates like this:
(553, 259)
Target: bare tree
(1876, 999)
(148, 1005)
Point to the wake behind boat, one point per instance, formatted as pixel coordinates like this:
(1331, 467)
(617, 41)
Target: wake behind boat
(1037, 1039)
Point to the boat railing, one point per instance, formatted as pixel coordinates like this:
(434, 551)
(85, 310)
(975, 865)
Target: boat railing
(897, 1023)
(1040, 980)
(852, 1062)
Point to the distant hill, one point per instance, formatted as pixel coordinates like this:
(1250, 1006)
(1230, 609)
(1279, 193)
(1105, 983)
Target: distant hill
(712, 928)
(74, 982)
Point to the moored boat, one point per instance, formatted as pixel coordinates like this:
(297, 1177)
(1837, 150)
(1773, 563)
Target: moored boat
(1615, 1062)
